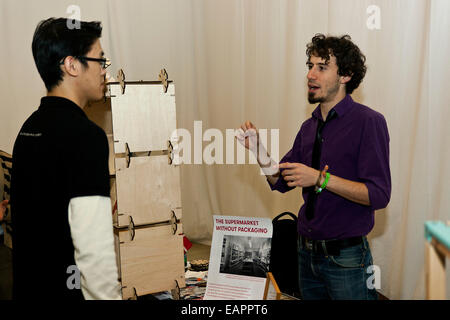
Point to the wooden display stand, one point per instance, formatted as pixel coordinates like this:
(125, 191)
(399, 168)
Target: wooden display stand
(139, 119)
(437, 261)
(271, 291)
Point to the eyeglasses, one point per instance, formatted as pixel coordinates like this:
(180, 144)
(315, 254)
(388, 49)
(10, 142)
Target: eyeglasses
(105, 63)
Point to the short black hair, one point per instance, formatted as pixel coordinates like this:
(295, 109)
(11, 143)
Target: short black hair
(349, 59)
(55, 39)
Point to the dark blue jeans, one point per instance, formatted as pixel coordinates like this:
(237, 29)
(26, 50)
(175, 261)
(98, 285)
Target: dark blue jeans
(342, 277)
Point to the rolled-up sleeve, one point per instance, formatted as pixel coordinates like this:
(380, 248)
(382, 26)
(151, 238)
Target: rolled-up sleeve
(93, 239)
(373, 161)
(294, 156)
(281, 184)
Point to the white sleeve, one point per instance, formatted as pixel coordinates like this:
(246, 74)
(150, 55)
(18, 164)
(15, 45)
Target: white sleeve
(92, 233)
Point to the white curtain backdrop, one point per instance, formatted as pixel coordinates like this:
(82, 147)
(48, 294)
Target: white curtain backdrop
(237, 60)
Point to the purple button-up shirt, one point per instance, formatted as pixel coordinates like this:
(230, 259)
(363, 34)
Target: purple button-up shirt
(355, 147)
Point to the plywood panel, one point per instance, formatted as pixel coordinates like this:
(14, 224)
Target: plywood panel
(435, 272)
(100, 113)
(152, 261)
(117, 250)
(111, 164)
(148, 190)
(144, 117)
(447, 277)
(113, 197)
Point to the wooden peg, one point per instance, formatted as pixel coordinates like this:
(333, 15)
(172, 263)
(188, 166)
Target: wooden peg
(170, 151)
(131, 228)
(173, 221)
(163, 78)
(121, 79)
(128, 154)
(176, 292)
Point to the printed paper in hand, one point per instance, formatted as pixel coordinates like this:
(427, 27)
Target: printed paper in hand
(240, 256)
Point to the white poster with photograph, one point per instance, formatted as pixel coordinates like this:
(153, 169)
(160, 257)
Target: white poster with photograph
(240, 257)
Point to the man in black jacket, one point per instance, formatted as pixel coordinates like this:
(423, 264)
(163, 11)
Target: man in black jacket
(63, 243)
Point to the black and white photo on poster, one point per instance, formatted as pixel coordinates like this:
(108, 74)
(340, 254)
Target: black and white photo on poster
(247, 256)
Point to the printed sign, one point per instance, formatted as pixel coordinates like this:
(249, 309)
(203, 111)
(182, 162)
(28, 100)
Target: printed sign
(240, 257)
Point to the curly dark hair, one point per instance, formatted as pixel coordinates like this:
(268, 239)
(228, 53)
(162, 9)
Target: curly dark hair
(349, 59)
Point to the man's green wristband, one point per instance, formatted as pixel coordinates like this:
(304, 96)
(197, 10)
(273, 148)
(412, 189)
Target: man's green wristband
(324, 184)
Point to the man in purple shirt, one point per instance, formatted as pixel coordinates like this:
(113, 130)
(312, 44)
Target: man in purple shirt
(340, 159)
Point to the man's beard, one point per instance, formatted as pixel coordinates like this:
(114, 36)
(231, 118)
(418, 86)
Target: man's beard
(330, 93)
(312, 99)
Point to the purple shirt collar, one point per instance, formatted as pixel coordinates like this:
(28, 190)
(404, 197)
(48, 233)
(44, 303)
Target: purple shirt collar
(341, 108)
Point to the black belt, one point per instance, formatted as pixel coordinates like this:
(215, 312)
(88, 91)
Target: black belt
(328, 247)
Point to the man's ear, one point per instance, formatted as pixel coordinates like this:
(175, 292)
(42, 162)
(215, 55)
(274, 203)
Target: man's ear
(71, 66)
(345, 79)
